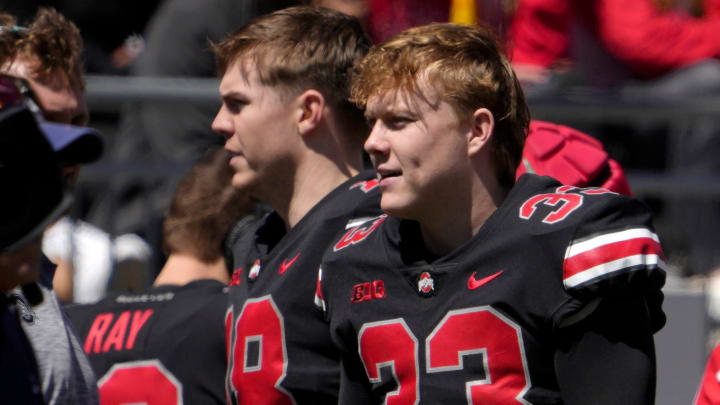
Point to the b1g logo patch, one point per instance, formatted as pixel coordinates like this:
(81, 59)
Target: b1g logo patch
(426, 284)
(368, 291)
(254, 270)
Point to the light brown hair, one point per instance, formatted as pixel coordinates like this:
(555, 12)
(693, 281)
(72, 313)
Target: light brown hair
(50, 44)
(204, 207)
(469, 70)
(300, 48)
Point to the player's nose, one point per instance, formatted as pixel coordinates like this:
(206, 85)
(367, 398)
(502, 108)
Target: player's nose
(222, 124)
(376, 143)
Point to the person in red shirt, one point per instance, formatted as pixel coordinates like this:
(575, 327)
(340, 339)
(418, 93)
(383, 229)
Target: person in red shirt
(647, 38)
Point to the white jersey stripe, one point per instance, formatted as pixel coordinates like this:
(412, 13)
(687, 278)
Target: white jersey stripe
(614, 266)
(577, 248)
(319, 299)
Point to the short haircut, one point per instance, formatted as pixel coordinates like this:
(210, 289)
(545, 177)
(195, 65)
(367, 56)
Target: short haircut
(469, 70)
(49, 40)
(300, 48)
(204, 207)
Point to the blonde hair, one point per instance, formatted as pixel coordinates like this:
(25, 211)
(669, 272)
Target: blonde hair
(467, 67)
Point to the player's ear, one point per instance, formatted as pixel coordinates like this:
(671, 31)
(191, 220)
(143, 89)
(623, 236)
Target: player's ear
(482, 125)
(311, 104)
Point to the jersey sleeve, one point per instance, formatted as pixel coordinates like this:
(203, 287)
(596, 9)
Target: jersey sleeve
(608, 358)
(615, 253)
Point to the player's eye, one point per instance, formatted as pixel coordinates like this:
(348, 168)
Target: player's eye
(397, 122)
(235, 105)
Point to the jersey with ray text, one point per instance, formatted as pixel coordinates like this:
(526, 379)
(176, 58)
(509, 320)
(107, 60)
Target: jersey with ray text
(165, 345)
(482, 324)
(279, 343)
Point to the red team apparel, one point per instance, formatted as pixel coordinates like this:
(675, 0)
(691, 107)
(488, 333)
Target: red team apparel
(709, 392)
(279, 342)
(492, 322)
(164, 346)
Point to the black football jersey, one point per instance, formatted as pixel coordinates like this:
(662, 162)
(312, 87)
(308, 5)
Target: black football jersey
(480, 325)
(166, 345)
(280, 345)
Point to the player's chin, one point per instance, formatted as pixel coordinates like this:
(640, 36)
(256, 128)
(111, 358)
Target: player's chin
(243, 181)
(395, 205)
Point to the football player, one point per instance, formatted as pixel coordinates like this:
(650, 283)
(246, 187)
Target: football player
(167, 344)
(473, 288)
(296, 143)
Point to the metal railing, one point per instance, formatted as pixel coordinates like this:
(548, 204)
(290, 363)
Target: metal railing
(107, 94)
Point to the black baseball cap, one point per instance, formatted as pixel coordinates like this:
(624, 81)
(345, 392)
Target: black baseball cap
(34, 192)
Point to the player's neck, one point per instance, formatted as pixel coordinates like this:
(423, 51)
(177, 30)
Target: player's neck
(180, 269)
(444, 230)
(314, 179)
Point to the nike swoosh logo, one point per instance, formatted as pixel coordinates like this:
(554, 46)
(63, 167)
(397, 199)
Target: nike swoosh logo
(286, 264)
(474, 283)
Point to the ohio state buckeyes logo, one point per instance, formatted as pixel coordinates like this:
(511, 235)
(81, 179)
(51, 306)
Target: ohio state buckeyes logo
(254, 270)
(426, 284)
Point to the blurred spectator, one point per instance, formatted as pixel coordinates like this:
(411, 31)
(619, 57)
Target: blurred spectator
(44, 61)
(34, 195)
(384, 18)
(168, 135)
(48, 55)
(110, 30)
(645, 50)
(613, 40)
(65, 375)
(181, 327)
